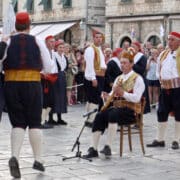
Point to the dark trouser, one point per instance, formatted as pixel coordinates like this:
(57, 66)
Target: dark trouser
(122, 116)
(93, 94)
(24, 103)
(169, 100)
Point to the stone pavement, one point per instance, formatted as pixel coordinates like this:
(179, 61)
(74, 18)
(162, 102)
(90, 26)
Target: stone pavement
(157, 164)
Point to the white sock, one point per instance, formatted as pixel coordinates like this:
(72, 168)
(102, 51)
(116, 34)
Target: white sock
(95, 139)
(161, 131)
(177, 131)
(17, 138)
(45, 114)
(112, 129)
(36, 140)
(91, 108)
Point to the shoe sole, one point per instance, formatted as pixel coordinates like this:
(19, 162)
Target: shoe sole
(14, 168)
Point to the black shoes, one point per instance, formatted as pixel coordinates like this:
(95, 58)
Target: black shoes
(92, 153)
(14, 168)
(175, 145)
(38, 166)
(106, 151)
(156, 143)
(61, 122)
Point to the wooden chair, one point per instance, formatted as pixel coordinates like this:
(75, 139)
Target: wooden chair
(129, 131)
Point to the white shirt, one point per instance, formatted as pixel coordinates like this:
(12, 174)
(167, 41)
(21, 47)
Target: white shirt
(45, 55)
(167, 69)
(137, 57)
(89, 59)
(61, 60)
(138, 89)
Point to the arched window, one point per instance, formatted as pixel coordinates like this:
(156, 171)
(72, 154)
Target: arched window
(123, 40)
(154, 40)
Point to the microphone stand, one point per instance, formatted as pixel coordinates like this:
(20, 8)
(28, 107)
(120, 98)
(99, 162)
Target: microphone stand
(77, 143)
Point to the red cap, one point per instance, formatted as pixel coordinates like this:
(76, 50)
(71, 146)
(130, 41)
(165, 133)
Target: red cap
(175, 34)
(58, 42)
(137, 44)
(116, 52)
(22, 18)
(49, 37)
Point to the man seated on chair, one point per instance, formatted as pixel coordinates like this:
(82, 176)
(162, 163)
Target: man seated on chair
(125, 96)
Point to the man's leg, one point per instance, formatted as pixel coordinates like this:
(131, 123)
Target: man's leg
(35, 138)
(175, 143)
(112, 129)
(17, 138)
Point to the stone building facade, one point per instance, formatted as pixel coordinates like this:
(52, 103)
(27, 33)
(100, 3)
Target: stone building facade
(142, 20)
(71, 20)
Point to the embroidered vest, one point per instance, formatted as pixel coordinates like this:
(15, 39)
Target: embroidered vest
(23, 53)
(96, 58)
(128, 87)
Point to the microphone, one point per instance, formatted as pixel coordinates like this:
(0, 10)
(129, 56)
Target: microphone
(90, 112)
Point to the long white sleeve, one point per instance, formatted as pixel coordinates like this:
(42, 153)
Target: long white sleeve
(45, 56)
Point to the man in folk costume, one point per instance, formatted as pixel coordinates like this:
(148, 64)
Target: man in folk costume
(24, 58)
(140, 61)
(47, 85)
(168, 72)
(126, 95)
(113, 69)
(94, 74)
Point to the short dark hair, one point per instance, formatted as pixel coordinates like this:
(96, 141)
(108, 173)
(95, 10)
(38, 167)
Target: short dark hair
(22, 27)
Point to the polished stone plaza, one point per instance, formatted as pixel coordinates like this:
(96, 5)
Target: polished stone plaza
(157, 164)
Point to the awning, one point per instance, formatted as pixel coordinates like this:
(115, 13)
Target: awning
(55, 29)
(39, 29)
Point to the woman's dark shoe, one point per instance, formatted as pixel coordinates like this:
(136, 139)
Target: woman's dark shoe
(61, 122)
(14, 168)
(38, 166)
(156, 143)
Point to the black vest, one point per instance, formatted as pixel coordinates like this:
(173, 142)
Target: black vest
(23, 53)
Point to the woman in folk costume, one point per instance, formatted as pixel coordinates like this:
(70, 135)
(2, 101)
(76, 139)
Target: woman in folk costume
(59, 87)
(113, 69)
(95, 68)
(168, 72)
(23, 93)
(140, 62)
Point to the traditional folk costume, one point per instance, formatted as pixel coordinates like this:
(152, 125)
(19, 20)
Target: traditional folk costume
(113, 70)
(60, 105)
(94, 69)
(139, 67)
(168, 72)
(23, 92)
(121, 112)
(48, 81)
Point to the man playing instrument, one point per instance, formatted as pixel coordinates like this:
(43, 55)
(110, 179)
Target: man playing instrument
(126, 95)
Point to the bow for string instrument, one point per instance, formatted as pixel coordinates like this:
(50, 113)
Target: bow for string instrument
(110, 98)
